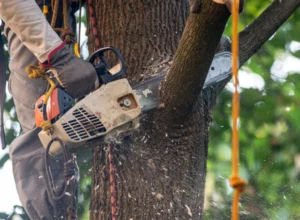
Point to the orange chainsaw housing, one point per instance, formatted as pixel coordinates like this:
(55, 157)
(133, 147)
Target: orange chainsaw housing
(58, 104)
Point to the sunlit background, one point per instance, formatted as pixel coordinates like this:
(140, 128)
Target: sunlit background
(269, 134)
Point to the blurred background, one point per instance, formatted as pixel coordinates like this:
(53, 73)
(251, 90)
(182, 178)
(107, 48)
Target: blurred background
(269, 134)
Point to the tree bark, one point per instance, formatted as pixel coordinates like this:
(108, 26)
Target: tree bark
(161, 167)
(146, 32)
(194, 55)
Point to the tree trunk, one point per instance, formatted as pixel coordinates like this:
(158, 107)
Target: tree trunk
(161, 168)
(160, 173)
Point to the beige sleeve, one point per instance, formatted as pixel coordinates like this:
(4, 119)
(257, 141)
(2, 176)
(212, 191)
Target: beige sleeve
(25, 18)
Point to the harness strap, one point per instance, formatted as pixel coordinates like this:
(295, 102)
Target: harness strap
(2, 92)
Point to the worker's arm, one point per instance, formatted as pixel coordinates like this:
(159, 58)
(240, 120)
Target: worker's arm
(26, 20)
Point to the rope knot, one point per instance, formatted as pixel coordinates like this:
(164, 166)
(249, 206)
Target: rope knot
(35, 72)
(67, 35)
(46, 126)
(237, 183)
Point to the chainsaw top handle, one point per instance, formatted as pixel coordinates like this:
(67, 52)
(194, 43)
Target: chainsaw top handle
(105, 72)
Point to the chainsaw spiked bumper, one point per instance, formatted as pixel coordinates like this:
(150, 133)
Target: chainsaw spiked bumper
(100, 117)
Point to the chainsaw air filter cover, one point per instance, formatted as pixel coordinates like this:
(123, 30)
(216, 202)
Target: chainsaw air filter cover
(101, 116)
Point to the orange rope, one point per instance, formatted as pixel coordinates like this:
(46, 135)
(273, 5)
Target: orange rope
(236, 181)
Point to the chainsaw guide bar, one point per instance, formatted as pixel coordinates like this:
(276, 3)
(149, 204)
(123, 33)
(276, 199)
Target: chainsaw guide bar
(148, 92)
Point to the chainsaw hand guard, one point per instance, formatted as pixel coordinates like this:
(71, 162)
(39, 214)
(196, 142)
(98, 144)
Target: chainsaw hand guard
(105, 71)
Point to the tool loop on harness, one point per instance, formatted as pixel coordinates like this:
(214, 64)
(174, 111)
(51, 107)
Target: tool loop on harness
(77, 50)
(45, 10)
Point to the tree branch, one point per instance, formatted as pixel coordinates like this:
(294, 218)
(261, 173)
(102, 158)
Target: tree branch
(198, 44)
(193, 57)
(259, 31)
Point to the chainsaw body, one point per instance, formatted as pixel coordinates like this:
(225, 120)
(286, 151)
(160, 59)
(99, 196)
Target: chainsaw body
(112, 108)
(109, 111)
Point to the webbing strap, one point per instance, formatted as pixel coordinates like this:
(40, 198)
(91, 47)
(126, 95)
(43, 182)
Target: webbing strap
(2, 91)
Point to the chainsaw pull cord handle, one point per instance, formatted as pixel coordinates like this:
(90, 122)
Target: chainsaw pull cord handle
(69, 170)
(107, 76)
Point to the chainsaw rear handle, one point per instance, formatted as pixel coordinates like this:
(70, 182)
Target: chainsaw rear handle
(105, 72)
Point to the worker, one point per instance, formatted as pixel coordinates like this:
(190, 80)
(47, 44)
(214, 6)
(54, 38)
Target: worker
(31, 40)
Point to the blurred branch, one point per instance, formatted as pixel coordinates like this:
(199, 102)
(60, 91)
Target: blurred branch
(262, 29)
(3, 160)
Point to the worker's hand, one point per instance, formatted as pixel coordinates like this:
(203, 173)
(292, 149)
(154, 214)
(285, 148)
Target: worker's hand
(195, 5)
(76, 76)
(229, 3)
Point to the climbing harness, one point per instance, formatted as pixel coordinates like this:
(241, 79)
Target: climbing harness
(236, 182)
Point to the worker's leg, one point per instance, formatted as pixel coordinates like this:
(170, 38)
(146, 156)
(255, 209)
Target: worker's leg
(26, 151)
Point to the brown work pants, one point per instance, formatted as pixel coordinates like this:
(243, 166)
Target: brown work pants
(26, 151)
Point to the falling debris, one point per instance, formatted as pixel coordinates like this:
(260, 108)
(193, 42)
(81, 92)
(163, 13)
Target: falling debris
(146, 92)
(151, 164)
(159, 196)
(189, 210)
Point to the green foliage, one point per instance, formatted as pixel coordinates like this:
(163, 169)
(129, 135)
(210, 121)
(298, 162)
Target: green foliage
(269, 133)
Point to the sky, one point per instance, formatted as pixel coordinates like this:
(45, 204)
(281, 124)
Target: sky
(8, 193)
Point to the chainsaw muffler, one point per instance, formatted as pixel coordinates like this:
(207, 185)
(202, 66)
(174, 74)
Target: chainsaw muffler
(102, 116)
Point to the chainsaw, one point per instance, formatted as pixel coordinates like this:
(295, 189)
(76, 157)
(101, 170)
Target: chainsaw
(113, 110)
